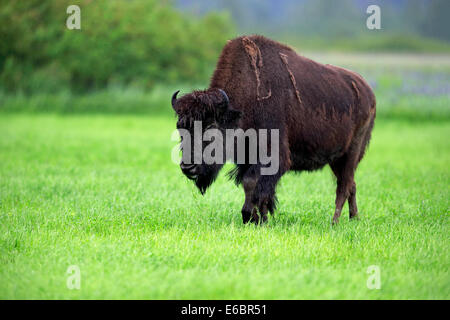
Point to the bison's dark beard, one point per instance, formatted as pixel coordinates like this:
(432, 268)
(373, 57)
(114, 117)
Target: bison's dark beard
(207, 176)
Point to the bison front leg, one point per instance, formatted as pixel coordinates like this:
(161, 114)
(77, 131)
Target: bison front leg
(249, 210)
(264, 178)
(251, 206)
(264, 195)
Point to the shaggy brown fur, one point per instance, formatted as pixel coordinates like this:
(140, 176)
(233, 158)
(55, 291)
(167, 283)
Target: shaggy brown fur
(324, 114)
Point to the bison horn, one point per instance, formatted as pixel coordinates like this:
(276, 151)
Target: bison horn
(174, 98)
(227, 101)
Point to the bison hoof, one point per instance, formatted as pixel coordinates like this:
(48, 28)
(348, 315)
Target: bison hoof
(246, 216)
(255, 220)
(249, 215)
(259, 220)
(253, 217)
(263, 218)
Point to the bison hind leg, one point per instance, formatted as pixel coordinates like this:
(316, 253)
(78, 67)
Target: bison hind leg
(344, 170)
(353, 208)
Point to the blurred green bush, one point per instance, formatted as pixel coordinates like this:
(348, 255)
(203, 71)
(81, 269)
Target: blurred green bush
(138, 44)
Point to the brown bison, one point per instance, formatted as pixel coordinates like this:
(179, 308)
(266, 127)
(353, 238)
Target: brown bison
(324, 115)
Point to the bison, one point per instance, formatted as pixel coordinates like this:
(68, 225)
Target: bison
(324, 115)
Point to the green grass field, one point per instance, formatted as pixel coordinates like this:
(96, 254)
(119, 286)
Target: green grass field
(101, 192)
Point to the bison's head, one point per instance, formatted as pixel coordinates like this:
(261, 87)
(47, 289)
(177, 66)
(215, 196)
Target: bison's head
(209, 109)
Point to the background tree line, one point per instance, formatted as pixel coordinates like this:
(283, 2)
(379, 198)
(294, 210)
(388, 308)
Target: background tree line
(121, 43)
(142, 44)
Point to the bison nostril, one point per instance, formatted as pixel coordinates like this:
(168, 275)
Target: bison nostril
(189, 170)
(186, 166)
